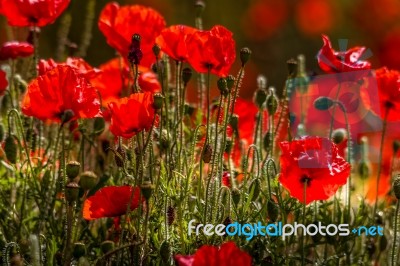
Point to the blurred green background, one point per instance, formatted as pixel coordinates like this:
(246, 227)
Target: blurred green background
(275, 30)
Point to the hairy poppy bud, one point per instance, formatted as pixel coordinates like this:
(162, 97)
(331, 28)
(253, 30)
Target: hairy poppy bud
(186, 75)
(120, 156)
(207, 153)
(98, 126)
(272, 101)
(71, 192)
(156, 50)
(339, 135)
(189, 110)
(88, 180)
(383, 243)
(165, 251)
(135, 54)
(72, 169)
(234, 121)
(107, 246)
(11, 149)
(244, 55)
(323, 103)
(292, 66)
(147, 189)
(272, 210)
(230, 82)
(67, 116)
(260, 97)
(235, 193)
(158, 101)
(222, 87)
(79, 250)
(256, 188)
(267, 141)
(228, 145)
(2, 132)
(170, 215)
(396, 186)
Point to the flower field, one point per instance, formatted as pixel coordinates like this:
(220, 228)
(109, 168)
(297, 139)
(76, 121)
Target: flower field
(153, 157)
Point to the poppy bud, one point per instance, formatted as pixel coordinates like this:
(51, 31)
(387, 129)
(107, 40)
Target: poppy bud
(200, 6)
(170, 215)
(71, 192)
(230, 82)
(72, 169)
(396, 186)
(383, 243)
(235, 193)
(255, 187)
(222, 87)
(186, 75)
(292, 66)
(228, 145)
(164, 139)
(267, 141)
(165, 252)
(272, 210)
(363, 169)
(158, 100)
(338, 135)
(272, 101)
(323, 103)
(260, 97)
(207, 153)
(67, 116)
(2, 132)
(147, 189)
(226, 179)
(98, 126)
(107, 246)
(189, 110)
(135, 54)
(233, 122)
(396, 145)
(11, 149)
(156, 50)
(244, 55)
(88, 180)
(120, 156)
(79, 250)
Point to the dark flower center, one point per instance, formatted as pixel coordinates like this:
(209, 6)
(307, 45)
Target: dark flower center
(305, 179)
(389, 104)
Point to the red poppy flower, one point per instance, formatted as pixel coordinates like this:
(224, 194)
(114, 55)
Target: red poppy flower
(315, 16)
(131, 115)
(226, 255)
(80, 65)
(3, 82)
(13, 50)
(331, 61)
(388, 86)
(213, 49)
(148, 81)
(314, 160)
(173, 41)
(61, 89)
(24, 13)
(111, 202)
(119, 24)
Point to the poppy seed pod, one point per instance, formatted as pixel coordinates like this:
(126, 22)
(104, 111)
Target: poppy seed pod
(222, 87)
(11, 149)
(272, 101)
(71, 192)
(323, 103)
(245, 54)
(72, 169)
(186, 75)
(156, 50)
(67, 115)
(147, 189)
(158, 101)
(88, 180)
(339, 135)
(396, 186)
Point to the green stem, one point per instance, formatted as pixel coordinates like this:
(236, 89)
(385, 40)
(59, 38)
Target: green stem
(393, 256)
(333, 110)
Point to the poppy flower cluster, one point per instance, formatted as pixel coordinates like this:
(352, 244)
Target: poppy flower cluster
(60, 91)
(14, 49)
(26, 13)
(314, 163)
(111, 202)
(132, 114)
(226, 255)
